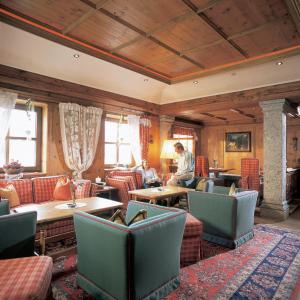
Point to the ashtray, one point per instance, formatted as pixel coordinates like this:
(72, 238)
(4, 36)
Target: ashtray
(71, 205)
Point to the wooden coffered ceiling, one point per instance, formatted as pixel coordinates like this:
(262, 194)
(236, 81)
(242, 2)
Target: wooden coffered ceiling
(169, 40)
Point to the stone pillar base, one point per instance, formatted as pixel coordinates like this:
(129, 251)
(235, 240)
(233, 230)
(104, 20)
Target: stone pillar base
(274, 212)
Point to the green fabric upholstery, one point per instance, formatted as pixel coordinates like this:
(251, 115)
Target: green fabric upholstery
(119, 262)
(228, 220)
(192, 183)
(4, 207)
(17, 234)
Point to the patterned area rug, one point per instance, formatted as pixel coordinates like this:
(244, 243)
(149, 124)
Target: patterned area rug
(266, 267)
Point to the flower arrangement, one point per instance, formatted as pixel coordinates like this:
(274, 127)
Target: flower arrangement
(14, 167)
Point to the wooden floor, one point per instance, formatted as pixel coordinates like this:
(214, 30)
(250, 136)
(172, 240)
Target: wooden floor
(293, 222)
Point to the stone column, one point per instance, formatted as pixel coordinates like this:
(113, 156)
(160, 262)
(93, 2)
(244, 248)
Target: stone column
(274, 204)
(166, 123)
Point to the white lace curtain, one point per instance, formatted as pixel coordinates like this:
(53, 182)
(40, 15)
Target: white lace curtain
(134, 134)
(7, 104)
(80, 128)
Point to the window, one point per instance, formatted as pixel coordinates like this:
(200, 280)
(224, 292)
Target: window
(186, 140)
(23, 141)
(117, 147)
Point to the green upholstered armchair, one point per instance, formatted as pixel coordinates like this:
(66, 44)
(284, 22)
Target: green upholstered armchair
(17, 232)
(228, 220)
(141, 261)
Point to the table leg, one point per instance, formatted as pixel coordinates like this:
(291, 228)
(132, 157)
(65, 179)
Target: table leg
(43, 235)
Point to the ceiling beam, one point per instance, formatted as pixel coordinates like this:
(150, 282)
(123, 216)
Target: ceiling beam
(168, 24)
(143, 34)
(85, 16)
(240, 112)
(294, 10)
(214, 27)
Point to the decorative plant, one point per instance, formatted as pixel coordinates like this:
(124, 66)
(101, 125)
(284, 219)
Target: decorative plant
(13, 167)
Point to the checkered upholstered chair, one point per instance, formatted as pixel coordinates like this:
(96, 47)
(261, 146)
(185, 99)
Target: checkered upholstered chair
(250, 174)
(202, 166)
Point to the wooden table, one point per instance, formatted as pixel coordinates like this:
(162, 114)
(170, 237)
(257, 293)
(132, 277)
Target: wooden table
(216, 171)
(49, 212)
(153, 194)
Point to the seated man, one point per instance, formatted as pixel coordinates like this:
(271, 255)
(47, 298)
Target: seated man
(150, 178)
(185, 169)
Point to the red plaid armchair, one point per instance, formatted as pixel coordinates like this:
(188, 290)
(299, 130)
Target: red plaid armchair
(250, 174)
(201, 166)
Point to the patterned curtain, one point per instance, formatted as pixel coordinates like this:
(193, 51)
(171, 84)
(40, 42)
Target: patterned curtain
(145, 124)
(80, 128)
(184, 131)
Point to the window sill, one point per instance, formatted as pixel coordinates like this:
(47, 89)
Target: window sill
(27, 175)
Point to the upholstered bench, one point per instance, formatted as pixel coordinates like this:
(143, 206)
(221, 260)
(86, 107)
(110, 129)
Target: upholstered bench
(25, 278)
(191, 243)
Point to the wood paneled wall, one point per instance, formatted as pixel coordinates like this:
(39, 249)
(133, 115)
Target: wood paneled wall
(213, 137)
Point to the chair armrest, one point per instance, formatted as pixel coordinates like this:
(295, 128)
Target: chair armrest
(17, 235)
(4, 207)
(102, 253)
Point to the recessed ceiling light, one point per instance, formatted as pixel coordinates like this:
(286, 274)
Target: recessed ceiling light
(195, 82)
(76, 55)
(146, 80)
(279, 63)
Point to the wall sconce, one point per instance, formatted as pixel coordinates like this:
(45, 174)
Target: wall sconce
(295, 143)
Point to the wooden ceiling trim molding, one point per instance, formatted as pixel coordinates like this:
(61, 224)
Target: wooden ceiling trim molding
(167, 24)
(240, 112)
(293, 50)
(214, 27)
(144, 34)
(294, 10)
(26, 81)
(214, 116)
(85, 16)
(239, 100)
(15, 19)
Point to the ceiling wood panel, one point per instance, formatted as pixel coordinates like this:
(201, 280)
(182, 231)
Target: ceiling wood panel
(170, 40)
(102, 31)
(271, 38)
(57, 14)
(215, 55)
(146, 14)
(187, 34)
(174, 66)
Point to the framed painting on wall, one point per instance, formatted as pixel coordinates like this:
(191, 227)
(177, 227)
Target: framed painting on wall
(238, 141)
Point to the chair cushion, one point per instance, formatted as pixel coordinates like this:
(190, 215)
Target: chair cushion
(201, 185)
(43, 188)
(9, 192)
(62, 190)
(83, 188)
(25, 278)
(129, 179)
(23, 188)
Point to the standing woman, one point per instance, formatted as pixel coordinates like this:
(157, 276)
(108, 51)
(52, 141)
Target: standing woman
(150, 178)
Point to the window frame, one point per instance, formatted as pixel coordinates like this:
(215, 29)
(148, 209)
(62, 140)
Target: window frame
(37, 139)
(117, 143)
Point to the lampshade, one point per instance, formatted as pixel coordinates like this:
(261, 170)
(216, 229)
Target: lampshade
(168, 151)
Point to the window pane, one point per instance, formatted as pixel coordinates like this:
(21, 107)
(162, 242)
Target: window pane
(124, 133)
(110, 154)
(124, 154)
(182, 136)
(23, 151)
(111, 131)
(21, 125)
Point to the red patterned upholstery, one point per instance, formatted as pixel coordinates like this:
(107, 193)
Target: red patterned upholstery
(56, 228)
(250, 174)
(25, 278)
(23, 188)
(122, 187)
(43, 188)
(94, 189)
(138, 179)
(83, 188)
(191, 243)
(130, 179)
(201, 166)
